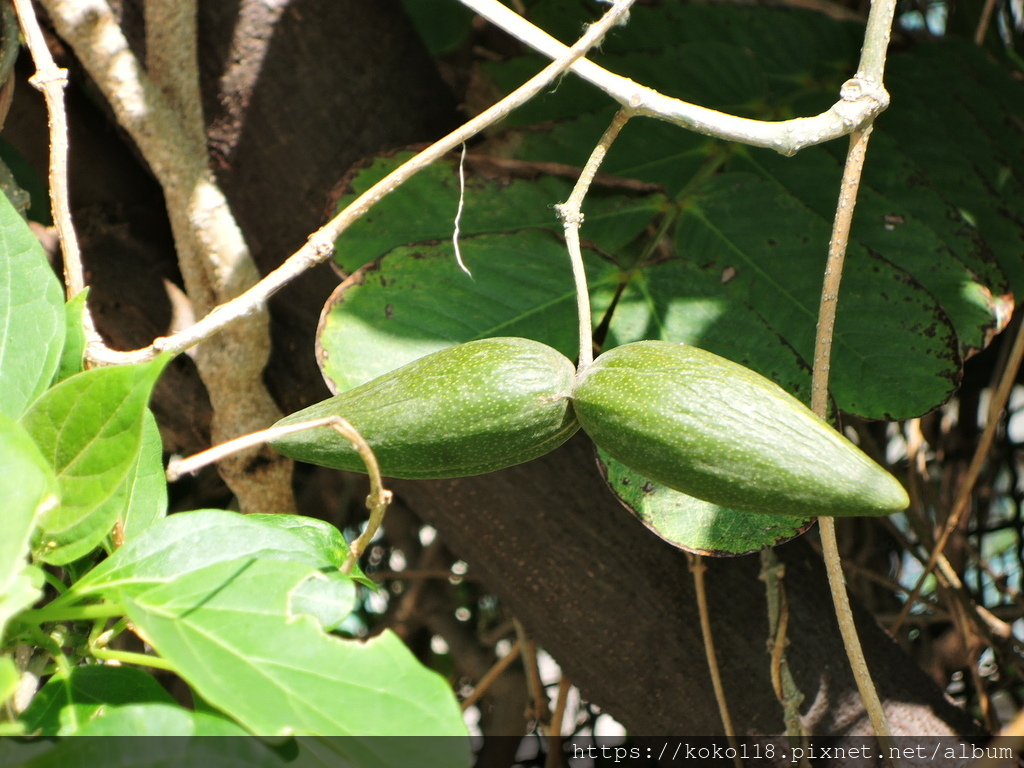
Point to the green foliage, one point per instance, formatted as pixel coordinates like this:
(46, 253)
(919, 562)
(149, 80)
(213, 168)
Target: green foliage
(241, 608)
(712, 244)
(31, 315)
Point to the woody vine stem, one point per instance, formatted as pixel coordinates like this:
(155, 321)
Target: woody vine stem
(871, 70)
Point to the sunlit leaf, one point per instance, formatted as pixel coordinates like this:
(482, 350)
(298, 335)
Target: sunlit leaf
(227, 630)
(31, 315)
(89, 429)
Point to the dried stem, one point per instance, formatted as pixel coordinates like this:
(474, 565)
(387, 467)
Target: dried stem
(1007, 379)
(160, 109)
(528, 650)
(871, 71)
(377, 501)
(697, 568)
(786, 690)
(860, 100)
(572, 217)
(493, 674)
(51, 80)
(556, 758)
(320, 245)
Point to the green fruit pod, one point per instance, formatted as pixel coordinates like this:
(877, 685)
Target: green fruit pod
(712, 429)
(465, 410)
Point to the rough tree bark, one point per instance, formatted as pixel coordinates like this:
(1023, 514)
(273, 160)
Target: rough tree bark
(616, 607)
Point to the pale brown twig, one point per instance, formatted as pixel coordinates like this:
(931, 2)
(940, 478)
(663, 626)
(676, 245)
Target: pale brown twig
(697, 568)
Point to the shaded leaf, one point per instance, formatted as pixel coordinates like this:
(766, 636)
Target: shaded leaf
(416, 301)
(694, 525)
(976, 310)
(67, 703)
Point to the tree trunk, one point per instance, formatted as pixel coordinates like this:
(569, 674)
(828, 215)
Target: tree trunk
(615, 606)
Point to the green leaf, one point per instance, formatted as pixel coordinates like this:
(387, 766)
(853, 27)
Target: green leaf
(981, 175)
(163, 725)
(321, 536)
(681, 301)
(443, 26)
(67, 703)
(10, 676)
(147, 484)
(28, 488)
(89, 428)
(228, 632)
(158, 719)
(694, 525)
(190, 541)
(423, 209)
(971, 291)
(774, 249)
(31, 315)
(72, 356)
(416, 301)
(328, 597)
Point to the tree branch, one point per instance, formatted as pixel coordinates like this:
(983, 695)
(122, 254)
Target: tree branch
(861, 98)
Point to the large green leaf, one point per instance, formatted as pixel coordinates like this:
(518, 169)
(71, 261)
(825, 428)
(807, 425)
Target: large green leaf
(66, 703)
(773, 249)
(972, 154)
(28, 488)
(158, 719)
(89, 429)
(424, 208)
(971, 290)
(416, 301)
(190, 541)
(230, 631)
(938, 231)
(168, 731)
(31, 315)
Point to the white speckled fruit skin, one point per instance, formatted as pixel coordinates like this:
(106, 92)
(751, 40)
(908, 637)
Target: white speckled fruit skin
(712, 429)
(469, 409)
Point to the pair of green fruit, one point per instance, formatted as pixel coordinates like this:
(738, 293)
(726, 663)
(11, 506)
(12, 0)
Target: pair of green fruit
(691, 420)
